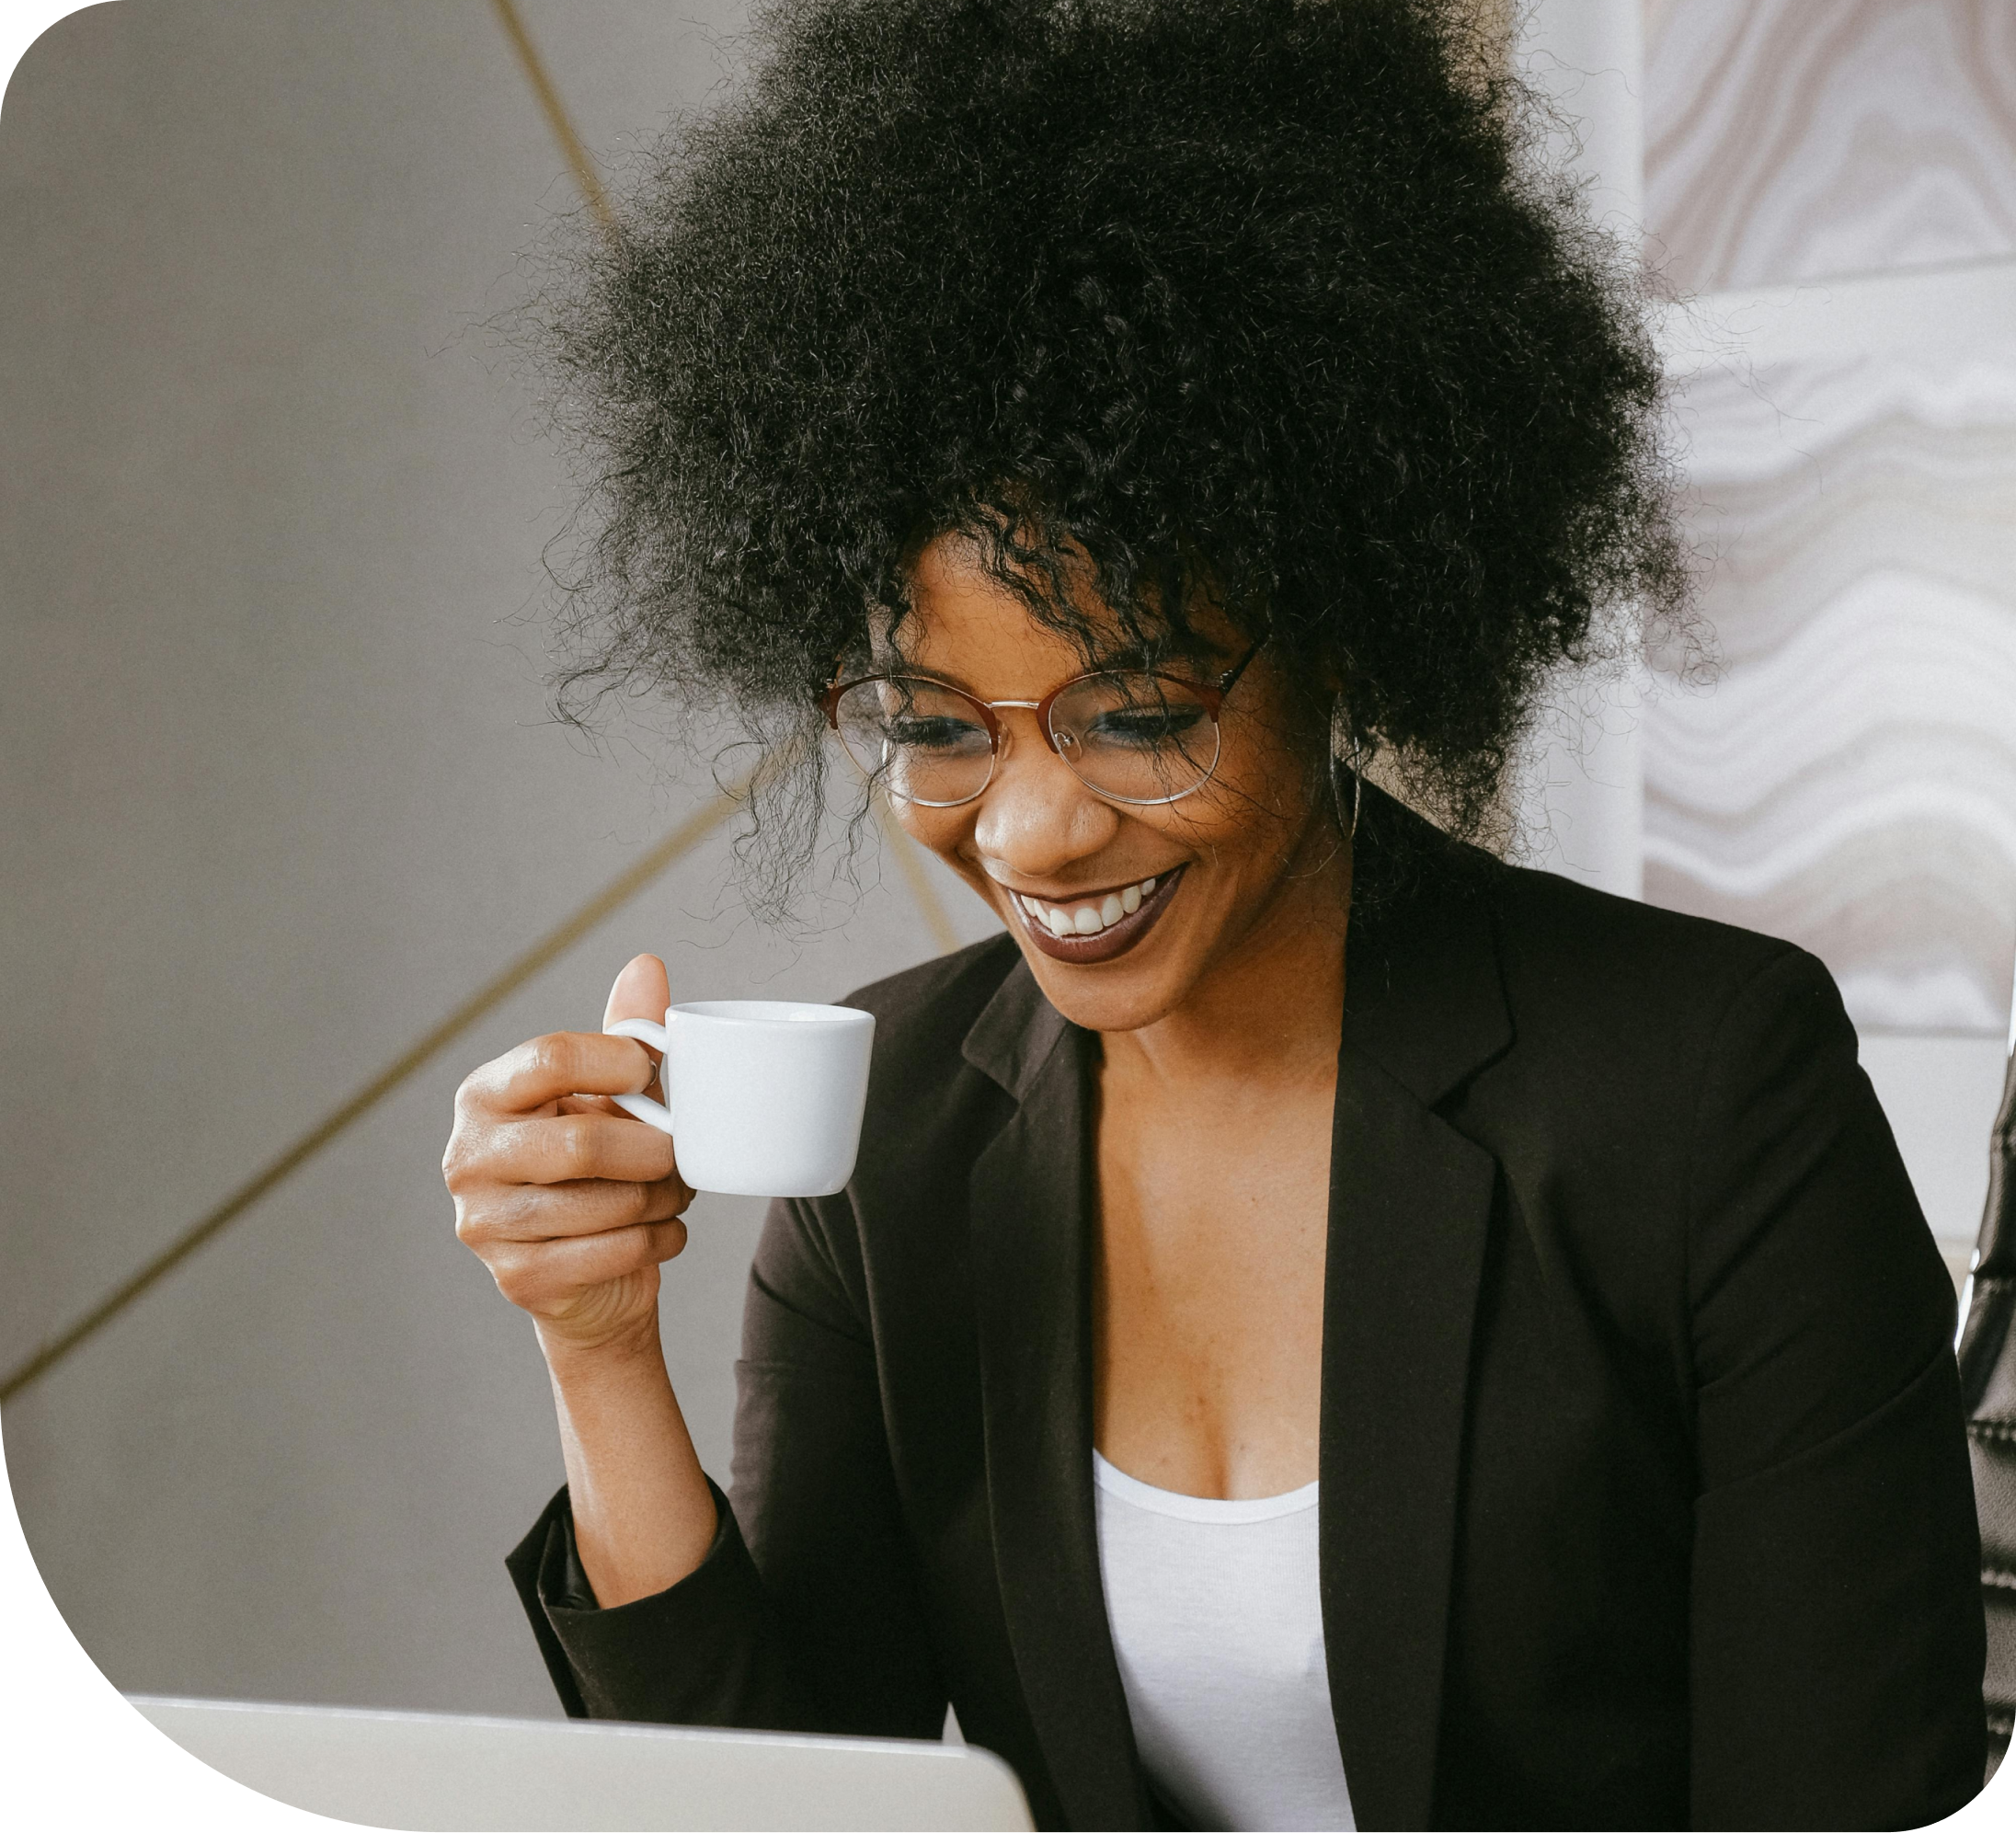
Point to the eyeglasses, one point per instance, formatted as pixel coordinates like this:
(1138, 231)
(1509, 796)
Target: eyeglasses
(1131, 735)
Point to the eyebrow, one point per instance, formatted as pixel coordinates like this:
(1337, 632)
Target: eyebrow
(896, 665)
(886, 661)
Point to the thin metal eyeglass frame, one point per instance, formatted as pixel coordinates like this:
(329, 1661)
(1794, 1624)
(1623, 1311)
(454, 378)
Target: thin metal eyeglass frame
(1210, 693)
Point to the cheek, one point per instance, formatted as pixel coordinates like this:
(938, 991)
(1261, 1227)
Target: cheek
(1256, 802)
(944, 831)
(1229, 838)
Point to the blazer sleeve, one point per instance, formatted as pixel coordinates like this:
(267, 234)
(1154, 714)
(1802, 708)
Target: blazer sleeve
(806, 1614)
(1836, 1612)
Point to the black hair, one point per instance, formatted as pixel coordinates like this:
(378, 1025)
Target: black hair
(1266, 296)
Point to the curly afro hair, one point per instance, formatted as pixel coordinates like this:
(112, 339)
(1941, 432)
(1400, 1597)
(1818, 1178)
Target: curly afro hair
(1266, 295)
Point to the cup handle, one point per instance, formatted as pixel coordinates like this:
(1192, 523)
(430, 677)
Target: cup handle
(641, 1106)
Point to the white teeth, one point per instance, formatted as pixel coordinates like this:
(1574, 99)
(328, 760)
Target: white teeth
(1087, 919)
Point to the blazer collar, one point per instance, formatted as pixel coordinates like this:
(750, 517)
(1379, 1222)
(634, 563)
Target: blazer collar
(1423, 996)
(1410, 1206)
(1017, 1030)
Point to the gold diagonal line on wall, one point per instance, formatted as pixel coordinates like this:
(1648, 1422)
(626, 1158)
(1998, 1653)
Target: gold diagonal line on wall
(542, 954)
(908, 855)
(585, 175)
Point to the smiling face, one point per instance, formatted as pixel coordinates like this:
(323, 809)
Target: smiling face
(1126, 914)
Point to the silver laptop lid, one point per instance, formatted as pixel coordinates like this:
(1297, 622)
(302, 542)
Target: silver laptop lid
(426, 1771)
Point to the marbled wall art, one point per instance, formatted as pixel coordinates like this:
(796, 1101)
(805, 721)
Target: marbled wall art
(1788, 139)
(1850, 781)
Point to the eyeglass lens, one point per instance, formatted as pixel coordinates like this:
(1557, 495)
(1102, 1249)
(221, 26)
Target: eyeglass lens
(1133, 738)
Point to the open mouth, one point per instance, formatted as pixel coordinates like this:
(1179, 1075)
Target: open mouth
(1096, 928)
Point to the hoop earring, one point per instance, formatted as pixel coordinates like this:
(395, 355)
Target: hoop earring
(1346, 749)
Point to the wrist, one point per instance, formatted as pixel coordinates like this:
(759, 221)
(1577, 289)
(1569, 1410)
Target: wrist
(575, 1355)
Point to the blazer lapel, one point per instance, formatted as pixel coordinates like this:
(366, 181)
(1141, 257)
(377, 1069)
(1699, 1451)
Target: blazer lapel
(1031, 1209)
(1410, 1204)
(1410, 1210)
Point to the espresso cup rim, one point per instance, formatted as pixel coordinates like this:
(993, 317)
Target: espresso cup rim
(778, 1014)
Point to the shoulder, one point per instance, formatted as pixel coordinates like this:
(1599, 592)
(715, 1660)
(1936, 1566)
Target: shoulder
(1680, 1109)
(1574, 966)
(1726, 1062)
(1547, 915)
(1591, 958)
(1707, 1046)
(923, 1015)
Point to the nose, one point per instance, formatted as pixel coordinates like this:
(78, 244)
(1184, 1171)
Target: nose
(1036, 818)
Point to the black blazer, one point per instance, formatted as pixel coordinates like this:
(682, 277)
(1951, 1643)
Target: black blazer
(1645, 1497)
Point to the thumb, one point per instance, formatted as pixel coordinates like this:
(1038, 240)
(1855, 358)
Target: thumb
(642, 990)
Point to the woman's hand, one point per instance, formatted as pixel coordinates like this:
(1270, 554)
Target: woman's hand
(570, 1203)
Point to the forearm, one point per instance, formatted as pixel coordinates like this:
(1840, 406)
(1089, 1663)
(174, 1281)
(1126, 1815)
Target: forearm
(644, 1516)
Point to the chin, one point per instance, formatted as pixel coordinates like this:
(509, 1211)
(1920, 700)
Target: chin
(1122, 993)
(1096, 1001)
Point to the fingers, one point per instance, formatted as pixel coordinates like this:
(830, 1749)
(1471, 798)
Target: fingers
(642, 990)
(570, 1148)
(548, 1276)
(567, 1200)
(562, 1063)
(591, 1103)
(536, 1212)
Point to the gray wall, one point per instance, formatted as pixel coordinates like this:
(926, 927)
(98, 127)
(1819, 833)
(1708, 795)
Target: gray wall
(281, 790)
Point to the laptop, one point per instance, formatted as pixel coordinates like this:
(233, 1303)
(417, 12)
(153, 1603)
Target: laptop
(426, 1771)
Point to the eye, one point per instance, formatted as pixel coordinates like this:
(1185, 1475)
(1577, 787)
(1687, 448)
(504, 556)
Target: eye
(934, 732)
(1145, 726)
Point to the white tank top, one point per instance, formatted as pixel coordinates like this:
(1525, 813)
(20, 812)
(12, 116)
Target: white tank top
(1217, 1626)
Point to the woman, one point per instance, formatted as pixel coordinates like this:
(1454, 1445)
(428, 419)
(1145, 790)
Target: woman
(1326, 1327)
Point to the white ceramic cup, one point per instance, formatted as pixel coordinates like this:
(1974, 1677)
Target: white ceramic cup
(762, 1097)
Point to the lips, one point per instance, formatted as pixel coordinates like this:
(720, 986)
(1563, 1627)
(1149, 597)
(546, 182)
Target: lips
(1084, 929)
